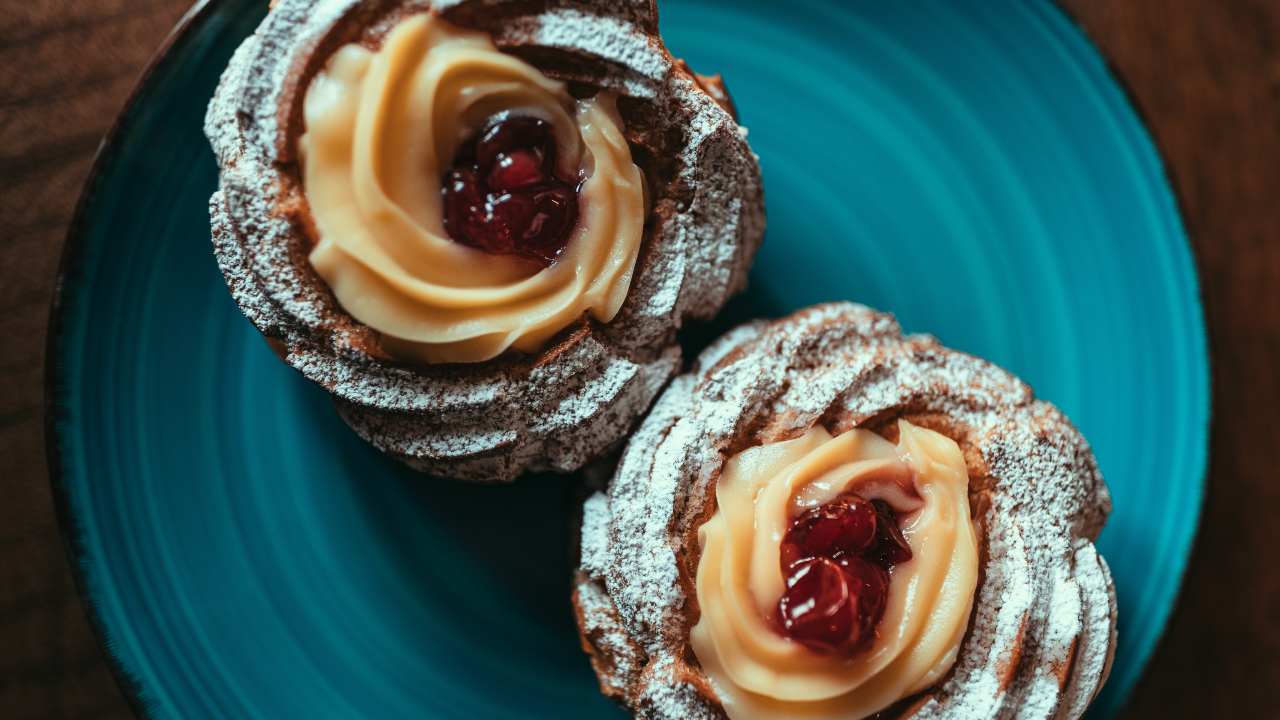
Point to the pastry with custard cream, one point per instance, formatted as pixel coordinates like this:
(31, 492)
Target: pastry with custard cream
(479, 224)
(829, 519)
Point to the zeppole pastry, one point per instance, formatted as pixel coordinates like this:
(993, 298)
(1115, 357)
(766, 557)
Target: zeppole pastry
(479, 224)
(829, 519)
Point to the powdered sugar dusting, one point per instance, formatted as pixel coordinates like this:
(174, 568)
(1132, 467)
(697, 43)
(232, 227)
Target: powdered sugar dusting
(608, 38)
(494, 420)
(1042, 633)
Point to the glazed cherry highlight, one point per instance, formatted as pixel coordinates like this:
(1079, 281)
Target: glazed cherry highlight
(846, 524)
(819, 608)
(502, 194)
(836, 560)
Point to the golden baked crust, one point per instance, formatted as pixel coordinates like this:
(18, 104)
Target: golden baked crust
(1042, 633)
(489, 421)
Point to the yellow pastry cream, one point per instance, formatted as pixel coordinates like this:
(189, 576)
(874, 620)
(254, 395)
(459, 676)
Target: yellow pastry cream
(382, 127)
(758, 672)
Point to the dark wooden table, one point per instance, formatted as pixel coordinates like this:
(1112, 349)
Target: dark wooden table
(1205, 74)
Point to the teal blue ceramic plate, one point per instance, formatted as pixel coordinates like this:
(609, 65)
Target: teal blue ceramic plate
(972, 167)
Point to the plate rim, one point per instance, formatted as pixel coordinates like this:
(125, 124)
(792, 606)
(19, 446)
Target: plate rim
(192, 20)
(1192, 540)
(69, 260)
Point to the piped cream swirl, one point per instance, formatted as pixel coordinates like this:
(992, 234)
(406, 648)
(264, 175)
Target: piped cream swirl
(759, 673)
(381, 128)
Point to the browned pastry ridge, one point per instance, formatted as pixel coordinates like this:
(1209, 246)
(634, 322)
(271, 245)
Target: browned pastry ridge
(494, 420)
(1042, 632)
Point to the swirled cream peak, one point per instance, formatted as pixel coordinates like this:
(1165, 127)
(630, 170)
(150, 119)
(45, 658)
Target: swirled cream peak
(381, 128)
(756, 671)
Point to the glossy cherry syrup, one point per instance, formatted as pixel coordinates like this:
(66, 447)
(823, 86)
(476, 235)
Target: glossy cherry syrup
(836, 559)
(502, 195)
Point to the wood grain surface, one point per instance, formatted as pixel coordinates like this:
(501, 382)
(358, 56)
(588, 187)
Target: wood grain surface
(1206, 75)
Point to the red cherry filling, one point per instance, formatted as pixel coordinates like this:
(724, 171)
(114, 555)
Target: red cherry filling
(846, 524)
(513, 133)
(870, 582)
(516, 169)
(818, 608)
(891, 547)
(836, 559)
(502, 195)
